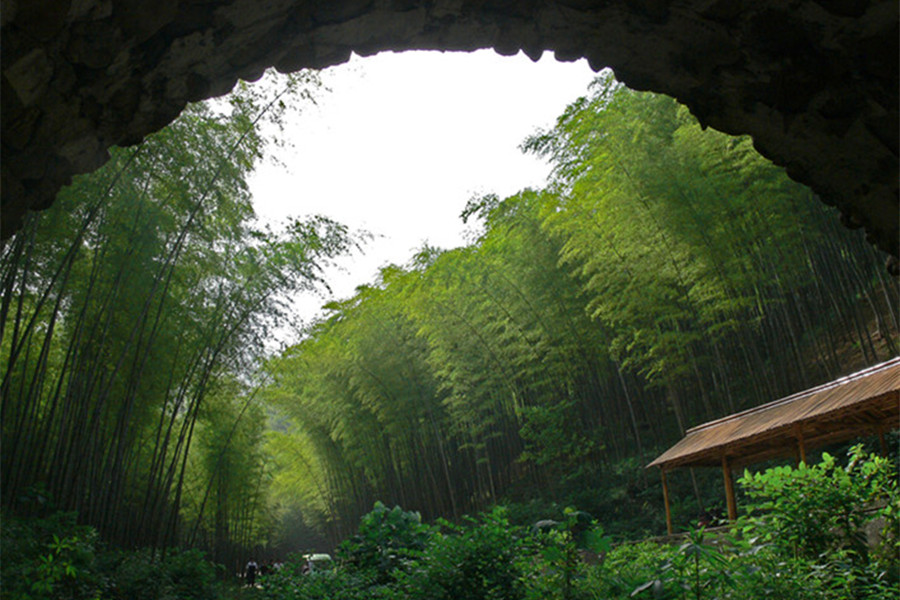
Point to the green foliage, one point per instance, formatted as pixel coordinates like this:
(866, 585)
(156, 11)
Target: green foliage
(697, 569)
(825, 507)
(50, 557)
(572, 559)
(226, 495)
(384, 549)
(652, 215)
(667, 275)
(145, 293)
(480, 560)
(816, 519)
(54, 558)
(797, 542)
(626, 569)
(387, 541)
(549, 442)
(293, 583)
(564, 549)
(147, 575)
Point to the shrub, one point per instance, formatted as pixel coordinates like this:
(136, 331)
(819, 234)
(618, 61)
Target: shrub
(49, 557)
(387, 540)
(292, 583)
(802, 540)
(559, 568)
(477, 561)
(146, 575)
(807, 525)
(54, 557)
(626, 568)
(821, 508)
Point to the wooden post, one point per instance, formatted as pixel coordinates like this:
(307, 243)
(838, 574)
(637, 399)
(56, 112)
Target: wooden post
(729, 489)
(662, 472)
(882, 442)
(801, 445)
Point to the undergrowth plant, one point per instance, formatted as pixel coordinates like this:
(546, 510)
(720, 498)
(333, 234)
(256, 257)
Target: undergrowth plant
(476, 560)
(833, 527)
(52, 557)
(697, 569)
(801, 539)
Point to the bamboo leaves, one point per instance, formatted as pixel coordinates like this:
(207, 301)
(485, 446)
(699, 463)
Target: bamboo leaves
(661, 279)
(130, 302)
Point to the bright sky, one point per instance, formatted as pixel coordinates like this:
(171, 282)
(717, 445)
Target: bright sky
(402, 141)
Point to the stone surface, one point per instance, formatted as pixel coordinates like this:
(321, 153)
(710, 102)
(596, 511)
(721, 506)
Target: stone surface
(815, 82)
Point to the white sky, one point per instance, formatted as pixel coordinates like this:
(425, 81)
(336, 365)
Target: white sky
(402, 141)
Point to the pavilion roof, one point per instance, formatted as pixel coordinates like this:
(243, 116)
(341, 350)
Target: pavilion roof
(862, 403)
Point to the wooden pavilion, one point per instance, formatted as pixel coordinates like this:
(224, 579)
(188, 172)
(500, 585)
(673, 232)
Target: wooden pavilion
(862, 404)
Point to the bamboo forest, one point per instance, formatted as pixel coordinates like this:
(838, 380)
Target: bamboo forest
(473, 423)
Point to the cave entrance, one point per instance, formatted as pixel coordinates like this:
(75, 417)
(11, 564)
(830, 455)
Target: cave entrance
(814, 84)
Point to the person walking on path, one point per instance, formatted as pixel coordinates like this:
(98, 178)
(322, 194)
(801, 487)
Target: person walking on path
(250, 572)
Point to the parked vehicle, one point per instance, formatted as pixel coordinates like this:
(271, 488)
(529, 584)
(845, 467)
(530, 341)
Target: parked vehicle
(316, 563)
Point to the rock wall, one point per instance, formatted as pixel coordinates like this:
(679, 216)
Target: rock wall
(814, 82)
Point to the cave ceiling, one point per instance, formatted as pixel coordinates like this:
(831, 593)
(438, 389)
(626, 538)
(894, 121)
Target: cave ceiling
(815, 83)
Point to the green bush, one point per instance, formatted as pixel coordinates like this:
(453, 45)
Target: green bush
(802, 540)
(387, 540)
(384, 548)
(54, 558)
(821, 508)
(559, 568)
(807, 527)
(50, 557)
(477, 561)
(145, 575)
(292, 583)
(626, 568)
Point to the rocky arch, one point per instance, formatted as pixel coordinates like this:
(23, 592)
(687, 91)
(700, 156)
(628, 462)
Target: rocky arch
(815, 82)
